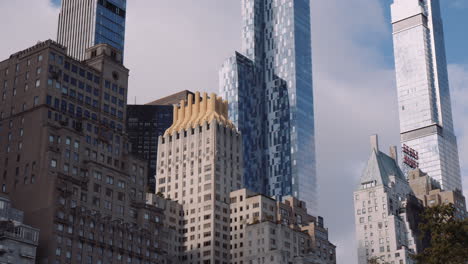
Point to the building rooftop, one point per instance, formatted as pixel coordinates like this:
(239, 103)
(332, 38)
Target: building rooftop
(380, 167)
(172, 99)
(195, 111)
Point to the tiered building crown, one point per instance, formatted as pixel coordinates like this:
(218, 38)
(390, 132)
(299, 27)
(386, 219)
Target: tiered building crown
(196, 111)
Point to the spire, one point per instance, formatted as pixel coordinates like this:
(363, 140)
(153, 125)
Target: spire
(380, 166)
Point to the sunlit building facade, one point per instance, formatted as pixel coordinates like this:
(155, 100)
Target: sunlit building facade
(423, 89)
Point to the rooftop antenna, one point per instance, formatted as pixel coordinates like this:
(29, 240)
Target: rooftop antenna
(135, 100)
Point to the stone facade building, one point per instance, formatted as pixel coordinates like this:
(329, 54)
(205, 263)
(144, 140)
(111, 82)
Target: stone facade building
(386, 211)
(18, 242)
(65, 160)
(199, 164)
(428, 191)
(267, 231)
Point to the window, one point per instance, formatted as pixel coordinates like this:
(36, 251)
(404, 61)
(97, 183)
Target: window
(53, 163)
(110, 180)
(38, 83)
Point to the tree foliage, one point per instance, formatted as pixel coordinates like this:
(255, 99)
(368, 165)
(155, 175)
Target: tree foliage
(448, 236)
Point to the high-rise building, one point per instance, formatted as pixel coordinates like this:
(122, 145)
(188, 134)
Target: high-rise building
(423, 89)
(145, 123)
(269, 89)
(65, 160)
(386, 211)
(85, 23)
(18, 242)
(199, 164)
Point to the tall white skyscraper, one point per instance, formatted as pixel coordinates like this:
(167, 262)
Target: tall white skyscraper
(85, 23)
(423, 89)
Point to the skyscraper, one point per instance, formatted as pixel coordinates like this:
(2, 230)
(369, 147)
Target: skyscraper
(199, 164)
(85, 23)
(423, 89)
(269, 89)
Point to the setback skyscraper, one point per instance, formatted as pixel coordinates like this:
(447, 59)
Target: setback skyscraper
(85, 23)
(269, 89)
(199, 164)
(423, 89)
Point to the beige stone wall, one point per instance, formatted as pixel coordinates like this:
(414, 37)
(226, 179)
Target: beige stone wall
(198, 168)
(264, 230)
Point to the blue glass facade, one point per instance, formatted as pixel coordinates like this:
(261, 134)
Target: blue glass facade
(279, 144)
(110, 23)
(85, 23)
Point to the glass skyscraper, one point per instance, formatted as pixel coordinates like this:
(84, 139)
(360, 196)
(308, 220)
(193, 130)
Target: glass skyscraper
(85, 23)
(425, 110)
(269, 89)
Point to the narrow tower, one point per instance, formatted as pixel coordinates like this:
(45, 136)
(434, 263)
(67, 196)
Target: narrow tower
(85, 23)
(426, 123)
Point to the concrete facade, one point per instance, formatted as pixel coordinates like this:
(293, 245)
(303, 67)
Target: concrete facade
(264, 230)
(65, 161)
(385, 211)
(18, 242)
(428, 191)
(199, 164)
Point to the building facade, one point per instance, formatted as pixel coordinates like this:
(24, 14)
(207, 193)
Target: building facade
(18, 242)
(171, 221)
(428, 191)
(199, 164)
(264, 230)
(272, 78)
(85, 23)
(145, 123)
(425, 110)
(65, 160)
(386, 211)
